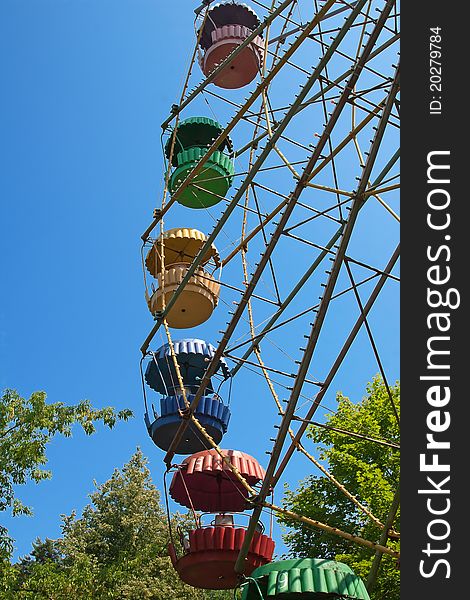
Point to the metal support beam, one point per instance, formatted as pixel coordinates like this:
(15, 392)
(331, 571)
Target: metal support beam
(360, 320)
(295, 195)
(248, 179)
(251, 235)
(332, 279)
(374, 571)
(283, 37)
(333, 530)
(309, 309)
(334, 369)
(349, 433)
(327, 88)
(313, 267)
(269, 326)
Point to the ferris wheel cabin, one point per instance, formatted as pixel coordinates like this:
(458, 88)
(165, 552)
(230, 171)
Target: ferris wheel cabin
(211, 552)
(197, 301)
(192, 356)
(226, 27)
(186, 147)
(205, 480)
(304, 579)
(208, 552)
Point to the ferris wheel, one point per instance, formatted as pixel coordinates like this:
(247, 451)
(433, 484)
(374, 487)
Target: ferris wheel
(280, 187)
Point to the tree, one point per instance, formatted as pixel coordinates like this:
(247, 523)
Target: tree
(117, 548)
(370, 471)
(26, 427)
(44, 551)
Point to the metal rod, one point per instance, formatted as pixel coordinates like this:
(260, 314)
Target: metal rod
(388, 188)
(374, 571)
(297, 29)
(252, 234)
(319, 213)
(232, 287)
(374, 345)
(310, 309)
(283, 373)
(346, 140)
(387, 168)
(348, 258)
(333, 530)
(347, 432)
(265, 240)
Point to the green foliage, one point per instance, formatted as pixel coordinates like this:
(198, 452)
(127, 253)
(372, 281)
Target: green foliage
(26, 427)
(117, 549)
(368, 470)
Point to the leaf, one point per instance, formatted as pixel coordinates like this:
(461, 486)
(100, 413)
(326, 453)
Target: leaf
(26, 428)
(368, 470)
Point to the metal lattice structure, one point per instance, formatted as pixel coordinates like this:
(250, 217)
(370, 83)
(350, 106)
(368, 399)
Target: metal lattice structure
(310, 222)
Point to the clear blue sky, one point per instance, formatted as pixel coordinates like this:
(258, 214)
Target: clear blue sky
(85, 86)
